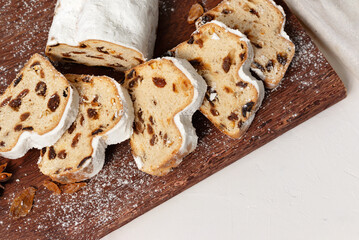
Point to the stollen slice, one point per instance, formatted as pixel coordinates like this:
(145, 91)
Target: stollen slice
(262, 21)
(222, 56)
(166, 92)
(36, 108)
(105, 117)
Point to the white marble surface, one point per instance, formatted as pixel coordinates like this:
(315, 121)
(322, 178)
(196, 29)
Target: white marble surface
(303, 185)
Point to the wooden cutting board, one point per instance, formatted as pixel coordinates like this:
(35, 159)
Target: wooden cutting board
(120, 192)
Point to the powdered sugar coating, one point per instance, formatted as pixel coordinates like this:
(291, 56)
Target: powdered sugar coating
(129, 23)
(28, 140)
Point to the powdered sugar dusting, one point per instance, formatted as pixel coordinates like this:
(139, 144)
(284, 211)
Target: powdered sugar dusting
(120, 191)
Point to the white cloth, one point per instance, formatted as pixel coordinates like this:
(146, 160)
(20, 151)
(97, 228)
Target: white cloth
(303, 185)
(336, 24)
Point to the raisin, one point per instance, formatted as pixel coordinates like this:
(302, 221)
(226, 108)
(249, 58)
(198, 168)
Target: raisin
(199, 42)
(72, 187)
(270, 65)
(64, 93)
(233, 117)
(24, 116)
(17, 80)
(254, 12)
(92, 113)
(18, 128)
(52, 187)
(83, 46)
(5, 102)
(242, 55)
(23, 93)
(75, 140)
(194, 13)
(159, 82)
(191, 40)
(153, 140)
(22, 204)
(150, 129)
(139, 115)
(197, 64)
(72, 128)
(28, 129)
(54, 102)
(86, 79)
(226, 65)
(4, 177)
(41, 88)
(165, 138)
(282, 58)
(82, 119)
(52, 153)
(138, 127)
(96, 57)
(131, 74)
(42, 73)
(247, 108)
(240, 124)
(2, 144)
(83, 161)
(214, 112)
(226, 11)
(133, 83)
(135, 130)
(139, 60)
(95, 101)
(151, 120)
(119, 57)
(43, 151)
(207, 18)
(74, 52)
(97, 131)
(62, 154)
(259, 66)
(15, 104)
(174, 88)
(241, 84)
(100, 49)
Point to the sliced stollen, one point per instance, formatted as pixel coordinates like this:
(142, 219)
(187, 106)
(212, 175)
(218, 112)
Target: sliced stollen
(105, 117)
(113, 33)
(223, 56)
(166, 92)
(262, 21)
(36, 108)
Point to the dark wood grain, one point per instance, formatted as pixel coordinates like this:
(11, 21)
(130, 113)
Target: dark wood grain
(120, 192)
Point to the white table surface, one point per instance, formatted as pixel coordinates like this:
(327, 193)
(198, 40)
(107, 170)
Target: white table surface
(303, 185)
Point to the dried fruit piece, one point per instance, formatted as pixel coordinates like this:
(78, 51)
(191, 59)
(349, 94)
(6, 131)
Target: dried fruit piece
(22, 204)
(159, 82)
(54, 102)
(4, 177)
(194, 13)
(72, 187)
(52, 187)
(3, 167)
